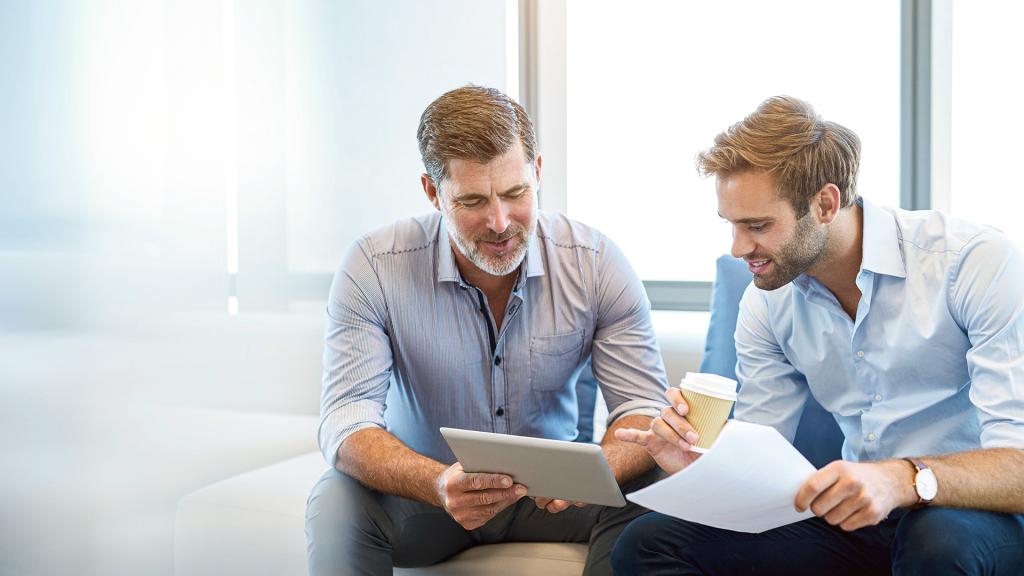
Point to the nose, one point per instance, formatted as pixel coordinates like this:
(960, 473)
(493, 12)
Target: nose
(741, 243)
(497, 218)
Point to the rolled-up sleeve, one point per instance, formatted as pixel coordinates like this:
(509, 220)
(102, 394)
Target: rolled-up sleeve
(986, 299)
(772, 392)
(626, 360)
(357, 359)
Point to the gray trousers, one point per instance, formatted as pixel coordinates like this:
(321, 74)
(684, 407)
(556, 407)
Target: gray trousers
(351, 529)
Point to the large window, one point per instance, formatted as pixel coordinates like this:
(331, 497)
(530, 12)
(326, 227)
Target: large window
(651, 82)
(985, 133)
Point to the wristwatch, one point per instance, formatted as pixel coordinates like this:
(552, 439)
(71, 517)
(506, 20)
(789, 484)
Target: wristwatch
(925, 483)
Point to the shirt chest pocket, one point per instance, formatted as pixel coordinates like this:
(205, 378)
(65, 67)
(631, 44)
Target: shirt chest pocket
(553, 359)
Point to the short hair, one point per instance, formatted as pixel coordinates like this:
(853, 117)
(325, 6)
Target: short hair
(787, 139)
(472, 123)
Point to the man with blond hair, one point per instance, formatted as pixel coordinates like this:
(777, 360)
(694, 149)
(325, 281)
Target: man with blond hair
(479, 316)
(907, 326)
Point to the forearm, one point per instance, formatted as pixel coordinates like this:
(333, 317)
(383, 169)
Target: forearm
(991, 479)
(627, 460)
(382, 462)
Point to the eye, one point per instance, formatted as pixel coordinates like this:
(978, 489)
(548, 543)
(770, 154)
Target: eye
(471, 203)
(757, 227)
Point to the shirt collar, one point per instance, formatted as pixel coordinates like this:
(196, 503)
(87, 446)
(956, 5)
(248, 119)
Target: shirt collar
(448, 270)
(534, 264)
(882, 252)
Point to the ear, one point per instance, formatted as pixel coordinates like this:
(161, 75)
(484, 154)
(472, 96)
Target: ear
(536, 167)
(430, 190)
(827, 203)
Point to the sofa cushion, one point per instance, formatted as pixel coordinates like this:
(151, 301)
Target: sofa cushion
(254, 524)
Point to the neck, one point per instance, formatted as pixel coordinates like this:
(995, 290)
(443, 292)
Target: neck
(839, 266)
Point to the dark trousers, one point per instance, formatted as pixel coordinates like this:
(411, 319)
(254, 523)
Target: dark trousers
(351, 529)
(926, 541)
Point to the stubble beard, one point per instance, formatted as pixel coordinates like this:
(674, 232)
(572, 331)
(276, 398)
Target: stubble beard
(803, 250)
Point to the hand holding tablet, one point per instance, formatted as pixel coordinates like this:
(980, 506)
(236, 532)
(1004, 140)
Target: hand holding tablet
(557, 469)
(473, 499)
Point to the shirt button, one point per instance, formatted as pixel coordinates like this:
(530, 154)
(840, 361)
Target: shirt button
(878, 397)
(500, 411)
(497, 360)
(860, 353)
(872, 437)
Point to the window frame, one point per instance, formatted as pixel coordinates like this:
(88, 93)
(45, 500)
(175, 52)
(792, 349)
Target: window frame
(924, 121)
(542, 82)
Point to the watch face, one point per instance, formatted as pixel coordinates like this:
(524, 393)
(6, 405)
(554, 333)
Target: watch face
(926, 484)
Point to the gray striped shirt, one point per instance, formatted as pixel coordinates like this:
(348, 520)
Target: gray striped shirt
(408, 345)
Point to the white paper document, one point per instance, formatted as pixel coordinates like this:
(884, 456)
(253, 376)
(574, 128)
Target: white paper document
(746, 482)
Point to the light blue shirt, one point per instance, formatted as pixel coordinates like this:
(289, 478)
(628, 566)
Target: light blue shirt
(411, 346)
(933, 362)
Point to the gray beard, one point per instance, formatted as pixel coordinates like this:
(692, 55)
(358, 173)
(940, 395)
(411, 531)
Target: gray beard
(500, 267)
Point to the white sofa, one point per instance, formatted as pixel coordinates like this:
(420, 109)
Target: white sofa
(252, 523)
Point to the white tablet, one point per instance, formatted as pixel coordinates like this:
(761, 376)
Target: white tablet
(549, 468)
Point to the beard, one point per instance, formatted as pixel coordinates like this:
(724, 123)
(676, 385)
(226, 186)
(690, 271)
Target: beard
(495, 264)
(796, 256)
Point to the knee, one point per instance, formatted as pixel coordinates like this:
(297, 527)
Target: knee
(336, 504)
(649, 542)
(625, 558)
(936, 541)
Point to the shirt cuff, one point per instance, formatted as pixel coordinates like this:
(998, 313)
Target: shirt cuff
(635, 407)
(342, 422)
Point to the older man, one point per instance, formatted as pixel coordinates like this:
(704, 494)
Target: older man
(479, 316)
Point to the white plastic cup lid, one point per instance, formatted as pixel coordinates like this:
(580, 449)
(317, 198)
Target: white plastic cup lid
(710, 385)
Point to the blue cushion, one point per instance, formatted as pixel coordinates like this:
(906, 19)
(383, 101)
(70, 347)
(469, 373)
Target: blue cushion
(818, 436)
(731, 280)
(586, 397)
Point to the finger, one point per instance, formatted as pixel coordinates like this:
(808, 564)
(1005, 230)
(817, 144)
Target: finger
(633, 436)
(680, 424)
(812, 487)
(556, 506)
(498, 507)
(579, 504)
(842, 511)
(676, 401)
(480, 516)
(831, 498)
(541, 502)
(866, 516)
(485, 498)
(662, 430)
(479, 481)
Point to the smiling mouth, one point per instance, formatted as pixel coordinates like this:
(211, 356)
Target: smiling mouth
(500, 244)
(758, 266)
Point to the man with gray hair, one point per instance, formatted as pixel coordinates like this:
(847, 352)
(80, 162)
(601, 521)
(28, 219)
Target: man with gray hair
(479, 316)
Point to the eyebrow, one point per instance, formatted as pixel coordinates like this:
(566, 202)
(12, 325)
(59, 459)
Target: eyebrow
(748, 220)
(516, 188)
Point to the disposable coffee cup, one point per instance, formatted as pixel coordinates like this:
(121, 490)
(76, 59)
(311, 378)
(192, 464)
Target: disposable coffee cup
(710, 398)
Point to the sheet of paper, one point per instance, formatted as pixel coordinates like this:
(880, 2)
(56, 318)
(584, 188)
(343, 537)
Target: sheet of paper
(746, 482)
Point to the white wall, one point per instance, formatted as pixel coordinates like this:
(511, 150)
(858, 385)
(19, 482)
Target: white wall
(150, 150)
